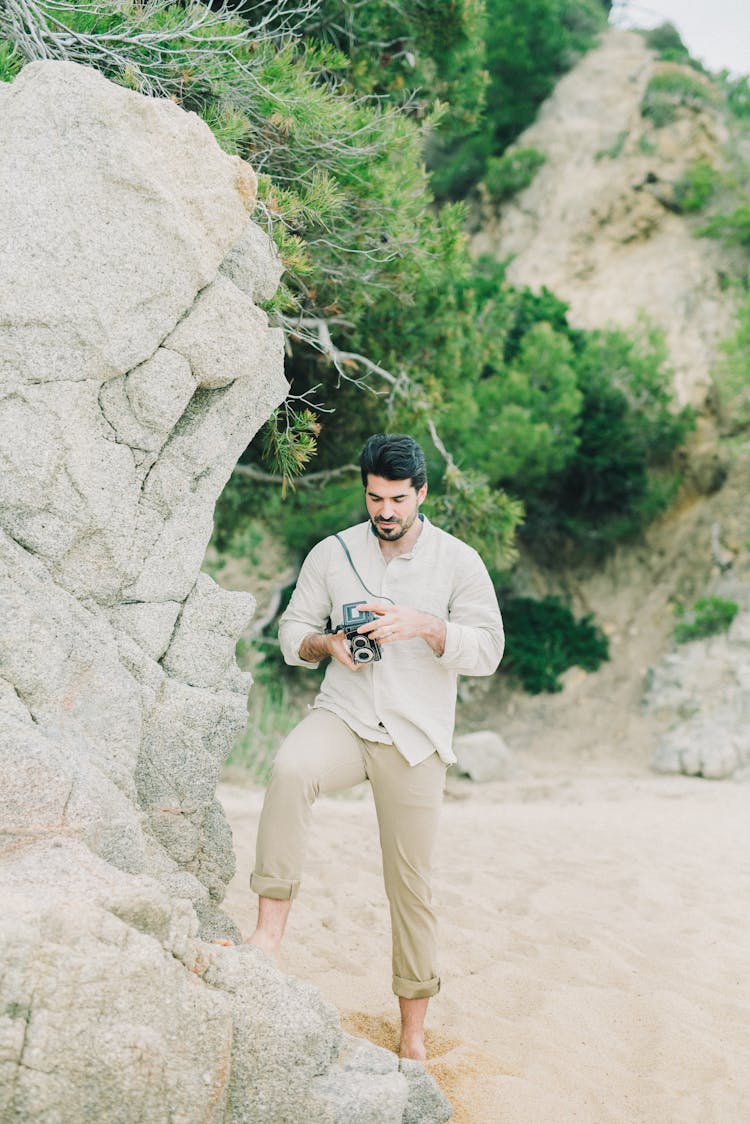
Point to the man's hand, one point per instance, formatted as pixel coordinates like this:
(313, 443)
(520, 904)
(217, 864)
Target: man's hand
(318, 645)
(401, 622)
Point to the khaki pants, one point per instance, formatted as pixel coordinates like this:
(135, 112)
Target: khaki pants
(323, 755)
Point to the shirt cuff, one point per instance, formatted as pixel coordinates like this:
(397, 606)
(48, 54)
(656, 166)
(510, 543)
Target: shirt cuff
(291, 639)
(452, 649)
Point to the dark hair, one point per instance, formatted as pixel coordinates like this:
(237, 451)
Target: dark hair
(394, 456)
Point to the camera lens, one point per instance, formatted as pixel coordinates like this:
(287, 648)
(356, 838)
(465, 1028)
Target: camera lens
(361, 650)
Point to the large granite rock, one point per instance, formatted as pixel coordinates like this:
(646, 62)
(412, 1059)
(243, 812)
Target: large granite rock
(134, 368)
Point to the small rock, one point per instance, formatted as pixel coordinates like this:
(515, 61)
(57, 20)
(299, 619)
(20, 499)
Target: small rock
(482, 756)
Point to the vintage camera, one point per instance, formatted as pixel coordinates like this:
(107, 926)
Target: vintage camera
(363, 649)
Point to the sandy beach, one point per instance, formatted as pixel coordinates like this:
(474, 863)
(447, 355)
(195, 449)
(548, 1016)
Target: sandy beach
(595, 934)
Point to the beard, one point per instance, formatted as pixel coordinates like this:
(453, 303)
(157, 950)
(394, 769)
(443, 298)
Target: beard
(396, 531)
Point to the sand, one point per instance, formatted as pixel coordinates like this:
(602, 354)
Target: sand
(595, 935)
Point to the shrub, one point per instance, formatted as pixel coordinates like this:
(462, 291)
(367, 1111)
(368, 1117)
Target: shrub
(510, 173)
(732, 376)
(529, 308)
(733, 229)
(543, 639)
(665, 37)
(617, 478)
(672, 90)
(737, 93)
(708, 616)
(696, 187)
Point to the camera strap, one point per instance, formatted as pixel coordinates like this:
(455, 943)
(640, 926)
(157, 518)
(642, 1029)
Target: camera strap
(378, 596)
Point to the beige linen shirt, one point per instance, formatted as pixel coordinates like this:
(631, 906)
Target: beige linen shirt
(408, 698)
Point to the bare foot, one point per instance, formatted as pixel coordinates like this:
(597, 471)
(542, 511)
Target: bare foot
(271, 948)
(412, 1046)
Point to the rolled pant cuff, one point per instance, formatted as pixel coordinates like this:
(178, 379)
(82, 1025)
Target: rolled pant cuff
(416, 989)
(280, 889)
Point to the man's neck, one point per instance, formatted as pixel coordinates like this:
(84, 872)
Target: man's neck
(403, 545)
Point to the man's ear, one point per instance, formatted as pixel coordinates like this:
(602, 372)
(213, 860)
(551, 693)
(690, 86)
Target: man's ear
(422, 493)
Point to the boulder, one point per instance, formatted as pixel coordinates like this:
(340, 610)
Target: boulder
(482, 756)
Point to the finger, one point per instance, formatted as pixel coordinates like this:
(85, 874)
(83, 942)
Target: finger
(346, 655)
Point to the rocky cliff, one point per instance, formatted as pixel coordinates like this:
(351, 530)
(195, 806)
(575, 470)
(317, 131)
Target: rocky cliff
(135, 365)
(598, 226)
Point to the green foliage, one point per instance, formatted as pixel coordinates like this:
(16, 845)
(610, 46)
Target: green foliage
(510, 173)
(527, 310)
(10, 62)
(672, 90)
(271, 716)
(535, 405)
(411, 52)
(289, 441)
(246, 541)
(529, 44)
(708, 617)
(737, 94)
(582, 430)
(627, 432)
(666, 41)
(734, 228)
(344, 191)
(299, 519)
(543, 639)
(469, 507)
(732, 376)
(665, 38)
(695, 189)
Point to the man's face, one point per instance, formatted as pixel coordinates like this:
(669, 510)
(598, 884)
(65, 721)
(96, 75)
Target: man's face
(392, 505)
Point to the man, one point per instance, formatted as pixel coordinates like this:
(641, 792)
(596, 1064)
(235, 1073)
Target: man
(389, 720)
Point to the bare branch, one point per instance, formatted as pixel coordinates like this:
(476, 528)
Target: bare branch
(310, 480)
(317, 334)
(437, 441)
(149, 54)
